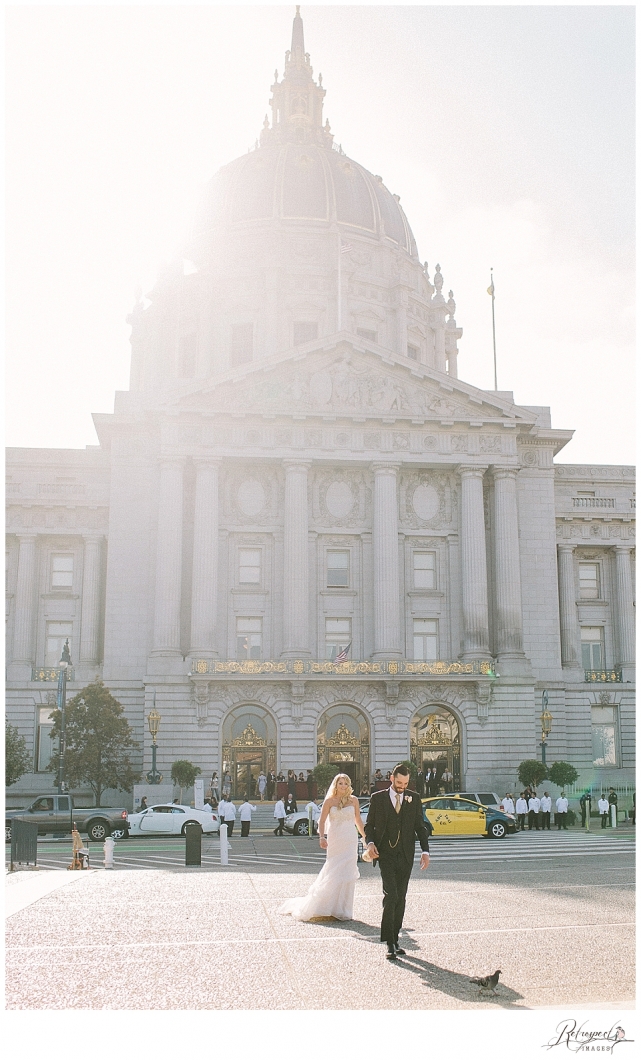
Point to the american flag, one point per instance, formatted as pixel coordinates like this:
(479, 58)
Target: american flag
(346, 247)
(342, 656)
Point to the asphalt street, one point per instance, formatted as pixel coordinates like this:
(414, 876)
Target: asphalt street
(551, 910)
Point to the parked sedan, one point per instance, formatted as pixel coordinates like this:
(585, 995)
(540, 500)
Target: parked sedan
(171, 820)
(451, 815)
(298, 823)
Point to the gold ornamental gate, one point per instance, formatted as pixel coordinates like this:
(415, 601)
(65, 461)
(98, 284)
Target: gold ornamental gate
(343, 740)
(435, 745)
(249, 749)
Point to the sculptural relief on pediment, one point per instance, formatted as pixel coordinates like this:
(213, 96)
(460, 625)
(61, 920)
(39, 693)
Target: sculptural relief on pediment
(346, 383)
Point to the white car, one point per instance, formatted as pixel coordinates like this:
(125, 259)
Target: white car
(171, 819)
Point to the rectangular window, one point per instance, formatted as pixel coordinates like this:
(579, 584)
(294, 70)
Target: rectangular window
(45, 747)
(592, 654)
(425, 639)
(242, 343)
(589, 582)
(56, 635)
(62, 572)
(365, 333)
(413, 352)
(338, 635)
(604, 736)
(337, 570)
(424, 570)
(249, 638)
(249, 566)
(305, 331)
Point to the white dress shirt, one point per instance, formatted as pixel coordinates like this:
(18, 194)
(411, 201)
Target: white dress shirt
(279, 809)
(316, 810)
(521, 806)
(230, 812)
(246, 811)
(508, 806)
(604, 805)
(546, 804)
(534, 804)
(561, 805)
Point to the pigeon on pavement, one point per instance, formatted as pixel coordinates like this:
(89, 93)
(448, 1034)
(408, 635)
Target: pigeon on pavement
(488, 982)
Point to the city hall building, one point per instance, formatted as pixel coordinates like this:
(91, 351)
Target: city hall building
(302, 536)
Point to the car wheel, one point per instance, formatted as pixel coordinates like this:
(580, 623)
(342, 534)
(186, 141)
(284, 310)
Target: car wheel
(118, 833)
(183, 830)
(7, 833)
(497, 830)
(301, 828)
(98, 831)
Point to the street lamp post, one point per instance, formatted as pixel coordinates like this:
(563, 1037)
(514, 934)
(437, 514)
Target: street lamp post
(153, 721)
(546, 724)
(64, 664)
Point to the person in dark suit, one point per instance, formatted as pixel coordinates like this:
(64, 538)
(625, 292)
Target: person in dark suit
(394, 823)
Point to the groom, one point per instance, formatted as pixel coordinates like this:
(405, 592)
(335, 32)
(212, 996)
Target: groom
(394, 823)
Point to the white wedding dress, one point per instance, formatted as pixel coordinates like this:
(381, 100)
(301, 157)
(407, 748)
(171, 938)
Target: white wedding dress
(332, 892)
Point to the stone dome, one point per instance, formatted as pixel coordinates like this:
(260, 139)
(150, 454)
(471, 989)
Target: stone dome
(305, 183)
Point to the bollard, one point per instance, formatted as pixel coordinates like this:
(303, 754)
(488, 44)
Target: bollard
(108, 848)
(310, 818)
(224, 845)
(588, 811)
(613, 815)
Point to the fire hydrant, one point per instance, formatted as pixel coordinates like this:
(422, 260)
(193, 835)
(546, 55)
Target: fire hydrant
(109, 852)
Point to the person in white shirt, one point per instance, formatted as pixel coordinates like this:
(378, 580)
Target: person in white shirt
(316, 812)
(534, 807)
(279, 814)
(521, 810)
(561, 812)
(245, 814)
(546, 809)
(508, 804)
(604, 809)
(229, 815)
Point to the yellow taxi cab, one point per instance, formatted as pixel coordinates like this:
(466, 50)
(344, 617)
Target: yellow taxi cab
(450, 815)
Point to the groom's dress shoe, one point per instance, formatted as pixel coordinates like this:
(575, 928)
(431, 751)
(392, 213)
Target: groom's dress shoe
(397, 949)
(391, 951)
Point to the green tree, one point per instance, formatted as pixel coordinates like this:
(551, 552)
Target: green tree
(324, 774)
(562, 773)
(16, 756)
(531, 771)
(184, 773)
(99, 742)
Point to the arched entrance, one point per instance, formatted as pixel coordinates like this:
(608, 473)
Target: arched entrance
(249, 748)
(435, 744)
(343, 740)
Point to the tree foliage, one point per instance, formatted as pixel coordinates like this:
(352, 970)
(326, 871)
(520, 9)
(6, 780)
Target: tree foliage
(562, 773)
(533, 772)
(99, 742)
(324, 774)
(17, 757)
(184, 773)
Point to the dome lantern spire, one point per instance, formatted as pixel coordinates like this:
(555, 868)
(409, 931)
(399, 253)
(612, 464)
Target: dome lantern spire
(297, 100)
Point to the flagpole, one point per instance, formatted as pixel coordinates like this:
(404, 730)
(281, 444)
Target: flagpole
(493, 327)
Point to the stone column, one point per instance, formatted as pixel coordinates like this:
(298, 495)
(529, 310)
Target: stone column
(439, 348)
(387, 630)
(473, 565)
(296, 562)
(204, 590)
(23, 630)
(507, 568)
(169, 560)
(567, 605)
(90, 619)
(625, 608)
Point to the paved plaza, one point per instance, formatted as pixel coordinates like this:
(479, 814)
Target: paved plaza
(552, 911)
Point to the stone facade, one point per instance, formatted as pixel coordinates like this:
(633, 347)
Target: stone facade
(297, 471)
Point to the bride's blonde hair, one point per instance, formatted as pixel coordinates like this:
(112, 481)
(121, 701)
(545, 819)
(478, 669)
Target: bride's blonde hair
(331, 791)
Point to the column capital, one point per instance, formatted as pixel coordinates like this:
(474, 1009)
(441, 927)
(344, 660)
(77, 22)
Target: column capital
(504, 471)
(296, 465)
(622, 549)
(203, 463)
(471, 470)
(93, 539)
(565, 548)
(28, 536)
(385, 466)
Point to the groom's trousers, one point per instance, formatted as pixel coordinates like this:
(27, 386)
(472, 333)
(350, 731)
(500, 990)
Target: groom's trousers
(395, 874)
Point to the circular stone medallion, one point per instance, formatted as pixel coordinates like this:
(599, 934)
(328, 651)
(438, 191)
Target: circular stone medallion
(251, 496)
(339, 499)
(425, 502)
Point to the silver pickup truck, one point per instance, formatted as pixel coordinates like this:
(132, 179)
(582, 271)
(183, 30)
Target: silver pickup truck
(55, 813)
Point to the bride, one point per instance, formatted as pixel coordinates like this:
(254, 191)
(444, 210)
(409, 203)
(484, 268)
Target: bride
(332, 893)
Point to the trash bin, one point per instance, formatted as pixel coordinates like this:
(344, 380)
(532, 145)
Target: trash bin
(193, 840)
(24, 842)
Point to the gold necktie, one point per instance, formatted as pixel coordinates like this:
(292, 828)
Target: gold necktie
(398, 804)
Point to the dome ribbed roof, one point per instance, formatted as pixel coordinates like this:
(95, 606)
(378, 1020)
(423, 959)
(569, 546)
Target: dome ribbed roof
(304, 183)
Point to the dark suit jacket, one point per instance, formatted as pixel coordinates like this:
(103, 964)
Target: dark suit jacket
(382, 821)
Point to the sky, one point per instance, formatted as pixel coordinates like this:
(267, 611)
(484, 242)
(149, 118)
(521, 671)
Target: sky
(507, 131)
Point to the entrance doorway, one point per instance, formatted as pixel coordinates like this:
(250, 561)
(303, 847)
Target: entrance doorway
(435, 748)
(249, 748)
(343, 740)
